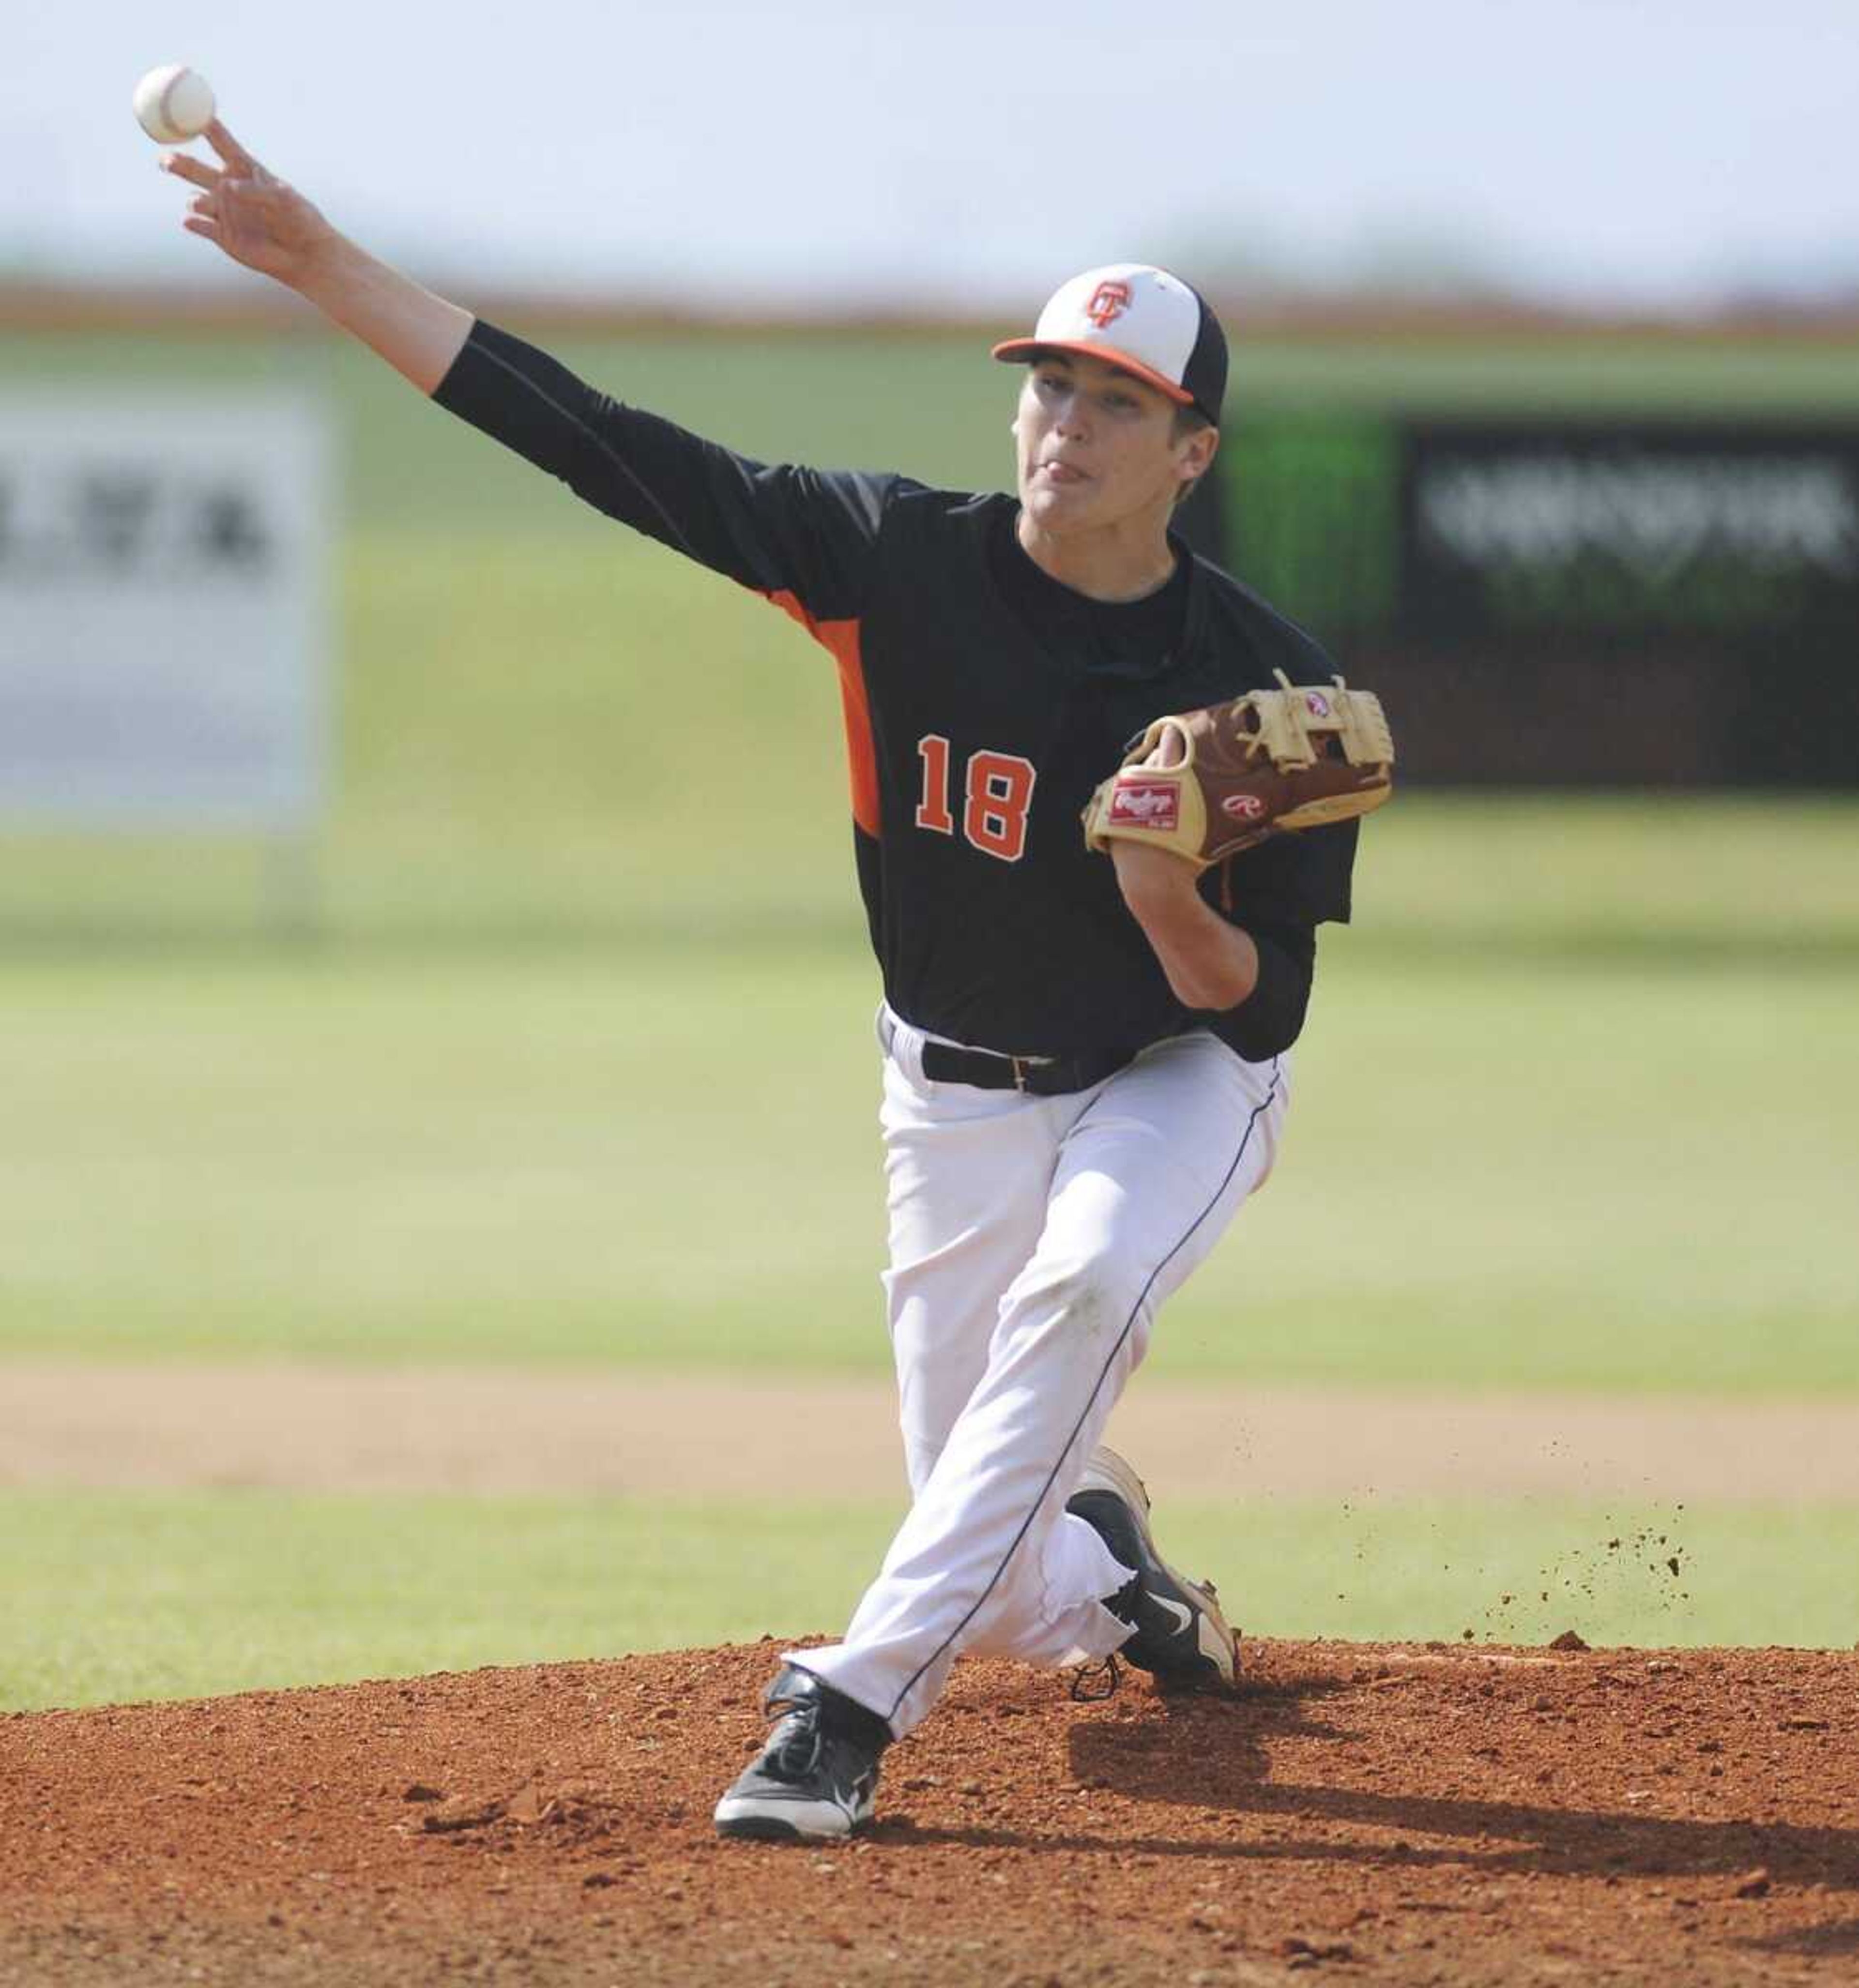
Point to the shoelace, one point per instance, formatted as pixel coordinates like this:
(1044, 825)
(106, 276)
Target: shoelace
(1092, 1683)
(794, 1748)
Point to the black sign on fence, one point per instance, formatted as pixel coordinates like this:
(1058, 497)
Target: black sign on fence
(1716, 530)
(1639, 603)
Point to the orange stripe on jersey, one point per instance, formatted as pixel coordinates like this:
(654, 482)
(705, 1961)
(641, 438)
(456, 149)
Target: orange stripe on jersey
(842, 638)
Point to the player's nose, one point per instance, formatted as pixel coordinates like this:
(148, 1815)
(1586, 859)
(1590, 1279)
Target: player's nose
(1070, 413)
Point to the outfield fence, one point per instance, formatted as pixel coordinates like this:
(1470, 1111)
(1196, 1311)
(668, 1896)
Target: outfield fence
(1572, 601)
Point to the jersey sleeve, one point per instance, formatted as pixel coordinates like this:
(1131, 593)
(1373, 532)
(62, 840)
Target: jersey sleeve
(1302, 878)
(1279, 906)
(1268, 1021)
(807, 538)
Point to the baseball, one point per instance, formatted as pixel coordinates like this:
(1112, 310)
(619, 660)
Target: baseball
(173, 102)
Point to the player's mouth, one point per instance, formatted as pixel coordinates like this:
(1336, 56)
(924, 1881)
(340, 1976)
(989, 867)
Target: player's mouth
(1063, 472)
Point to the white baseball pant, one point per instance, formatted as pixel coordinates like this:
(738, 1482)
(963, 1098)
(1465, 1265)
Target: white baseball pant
(1033, 1241)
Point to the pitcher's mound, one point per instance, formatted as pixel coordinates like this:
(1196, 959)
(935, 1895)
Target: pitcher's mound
(1410, 1813)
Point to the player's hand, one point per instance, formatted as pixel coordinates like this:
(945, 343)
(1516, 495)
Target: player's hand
(1210, 965)
(1157, 882)
(1162, 891)
(251, 213)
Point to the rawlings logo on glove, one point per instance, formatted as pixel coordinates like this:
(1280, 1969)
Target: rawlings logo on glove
(1211, 782)
(1146, 804)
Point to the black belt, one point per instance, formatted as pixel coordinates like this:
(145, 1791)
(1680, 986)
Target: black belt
(1045, 1076)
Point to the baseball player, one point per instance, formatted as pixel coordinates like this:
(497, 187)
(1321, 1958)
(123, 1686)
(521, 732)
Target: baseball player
(1084, 1054)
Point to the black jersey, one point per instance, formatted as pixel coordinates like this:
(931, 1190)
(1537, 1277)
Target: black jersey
(983, 703)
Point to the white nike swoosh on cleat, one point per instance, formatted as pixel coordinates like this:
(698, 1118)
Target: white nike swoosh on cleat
(1176, 1608)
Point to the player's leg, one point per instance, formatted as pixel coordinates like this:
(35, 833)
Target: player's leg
(1150, 1168)
(1164, 1160)
(966, 1172)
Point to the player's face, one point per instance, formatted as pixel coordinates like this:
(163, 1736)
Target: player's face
(1096, 446)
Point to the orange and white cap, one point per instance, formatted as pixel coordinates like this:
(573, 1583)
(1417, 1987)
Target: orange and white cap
(1140, 318)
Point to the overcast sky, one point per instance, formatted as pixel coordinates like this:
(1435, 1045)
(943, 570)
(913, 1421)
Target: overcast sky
(1604, 152)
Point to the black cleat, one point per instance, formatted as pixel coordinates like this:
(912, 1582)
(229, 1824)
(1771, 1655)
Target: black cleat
(1177, 1630)
(816, 1776)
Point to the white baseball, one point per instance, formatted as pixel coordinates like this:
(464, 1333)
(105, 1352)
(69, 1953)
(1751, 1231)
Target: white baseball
(173, 102)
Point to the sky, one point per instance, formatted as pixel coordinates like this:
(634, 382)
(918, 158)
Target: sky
(1607, 154)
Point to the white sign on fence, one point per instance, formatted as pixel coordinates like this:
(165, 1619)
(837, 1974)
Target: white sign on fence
(164, 606)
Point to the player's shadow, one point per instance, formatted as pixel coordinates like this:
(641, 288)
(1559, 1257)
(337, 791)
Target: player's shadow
(1496, 1837)
(1234, 1731)
(1837, 1940)
(1215, 1756)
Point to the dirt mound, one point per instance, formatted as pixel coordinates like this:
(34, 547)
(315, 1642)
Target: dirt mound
(1438, 1814)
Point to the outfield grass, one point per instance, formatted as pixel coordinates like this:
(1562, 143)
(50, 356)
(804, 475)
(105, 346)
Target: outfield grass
(1501, 1171)
(580, 1065)
(579, 1068)
(522, 681)
(107, 1597)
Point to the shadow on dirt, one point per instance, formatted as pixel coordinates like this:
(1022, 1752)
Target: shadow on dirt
(1227, 1765)
(1217, 1757)
(1834, 1941)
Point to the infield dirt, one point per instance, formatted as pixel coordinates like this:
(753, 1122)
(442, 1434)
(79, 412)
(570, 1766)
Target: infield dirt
(1406, 1814)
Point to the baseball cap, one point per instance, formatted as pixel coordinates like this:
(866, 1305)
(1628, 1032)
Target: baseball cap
(1133, 316)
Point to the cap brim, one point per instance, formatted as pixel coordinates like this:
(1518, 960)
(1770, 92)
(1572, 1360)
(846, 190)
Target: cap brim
(1025, 348)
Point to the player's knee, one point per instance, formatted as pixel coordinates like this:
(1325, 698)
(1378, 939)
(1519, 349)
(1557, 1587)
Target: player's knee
(1093, 1296)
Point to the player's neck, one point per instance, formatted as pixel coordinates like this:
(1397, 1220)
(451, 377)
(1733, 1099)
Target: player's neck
(1125, 561)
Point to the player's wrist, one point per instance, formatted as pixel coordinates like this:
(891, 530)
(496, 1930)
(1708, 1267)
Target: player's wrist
(419, 334)
(332, 273)
(1157, 884)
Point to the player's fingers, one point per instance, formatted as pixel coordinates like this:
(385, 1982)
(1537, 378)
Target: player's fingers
(229, 149)
(1170, 749)
(197, 224)
(205, 204)
(192, 170)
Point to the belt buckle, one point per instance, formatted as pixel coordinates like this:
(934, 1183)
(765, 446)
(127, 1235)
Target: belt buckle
(1022, 1064)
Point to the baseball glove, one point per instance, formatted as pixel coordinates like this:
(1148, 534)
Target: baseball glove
(1210, 782)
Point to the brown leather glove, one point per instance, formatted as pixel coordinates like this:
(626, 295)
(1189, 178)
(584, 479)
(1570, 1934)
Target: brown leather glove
(1209, 782)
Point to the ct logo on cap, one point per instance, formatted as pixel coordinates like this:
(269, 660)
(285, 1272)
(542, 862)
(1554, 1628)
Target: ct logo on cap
(1140, 320)
(1109, 301)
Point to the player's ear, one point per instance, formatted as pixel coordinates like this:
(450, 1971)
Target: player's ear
(1197, 453)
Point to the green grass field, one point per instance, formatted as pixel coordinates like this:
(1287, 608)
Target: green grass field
(107, 1597)
(560, 1080)
(1498, 1171)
